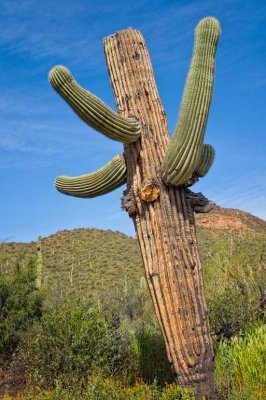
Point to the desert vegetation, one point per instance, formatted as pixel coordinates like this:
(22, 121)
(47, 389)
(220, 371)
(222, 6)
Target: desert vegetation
(94, 335)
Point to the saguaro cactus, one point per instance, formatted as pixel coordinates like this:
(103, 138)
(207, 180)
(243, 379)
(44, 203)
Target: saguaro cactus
(158, 171)
(39, 264)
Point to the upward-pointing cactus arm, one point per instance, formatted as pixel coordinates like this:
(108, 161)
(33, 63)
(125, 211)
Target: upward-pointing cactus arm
(184, 151)
(91, 109)
(106, 179)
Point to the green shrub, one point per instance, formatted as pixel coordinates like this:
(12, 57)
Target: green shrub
(153, 361)
(20, 305)
(109, 389)
(173, 392)
(71, 342)
(241, 365)
(234, 276)
(230, 312)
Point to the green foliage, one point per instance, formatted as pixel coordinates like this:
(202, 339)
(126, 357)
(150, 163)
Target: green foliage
(229, 312)
(241, 365)
(133, 308)
(85, 262)
(99, 388)
(119, 329)
(173, 392)
(70, 343)
(153, 361)
(20, 305)
(115, 390)
(234, 275)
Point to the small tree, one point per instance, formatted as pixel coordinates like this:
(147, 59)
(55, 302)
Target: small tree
(158, 171)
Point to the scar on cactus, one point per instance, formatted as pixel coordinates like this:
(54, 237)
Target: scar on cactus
(158, 171)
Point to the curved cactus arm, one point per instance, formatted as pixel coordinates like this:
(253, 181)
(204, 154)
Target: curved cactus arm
(206, 160)
(106, 179)
(91, 109)
(183, 153)
(204, 165)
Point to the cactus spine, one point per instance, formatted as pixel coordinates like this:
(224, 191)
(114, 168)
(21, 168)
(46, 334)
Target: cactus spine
(106, 179)
(183, 153)
(161, 206)
(91, 109)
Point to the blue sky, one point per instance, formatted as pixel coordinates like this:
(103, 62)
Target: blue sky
(41, 137)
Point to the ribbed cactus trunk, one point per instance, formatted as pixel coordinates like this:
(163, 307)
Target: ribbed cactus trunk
(163, 218)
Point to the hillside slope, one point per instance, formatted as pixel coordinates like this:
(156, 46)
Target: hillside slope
(231, 220)
(88, 261)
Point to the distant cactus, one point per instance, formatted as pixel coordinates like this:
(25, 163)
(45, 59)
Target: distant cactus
(39, 264)
(143, 284)
(158, 170)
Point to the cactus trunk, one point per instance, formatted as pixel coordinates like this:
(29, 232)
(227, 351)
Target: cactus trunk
(163, 218)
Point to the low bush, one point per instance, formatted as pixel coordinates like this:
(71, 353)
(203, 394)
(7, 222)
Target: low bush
(230, 312)
(20, 305)
(108, 389)
(153, 363)
(72, 342)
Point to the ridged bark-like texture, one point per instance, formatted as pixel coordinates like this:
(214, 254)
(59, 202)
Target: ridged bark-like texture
(106, 179)
(165, 227)
(91, 109)
(183, 153)
(206, 160)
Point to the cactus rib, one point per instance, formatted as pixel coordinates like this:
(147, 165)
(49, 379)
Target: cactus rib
(106, 179)
(91, 109)
(183, 153)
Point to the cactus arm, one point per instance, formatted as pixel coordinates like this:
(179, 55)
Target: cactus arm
(183, 154)
(206, 160)
(106, 179)
(91, 109)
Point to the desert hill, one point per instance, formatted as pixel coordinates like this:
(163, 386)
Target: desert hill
(88, 261)
(231, 220)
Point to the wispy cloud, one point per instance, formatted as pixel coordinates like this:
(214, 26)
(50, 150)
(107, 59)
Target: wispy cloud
(41, 30)
(12, 143)
(246, 192)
